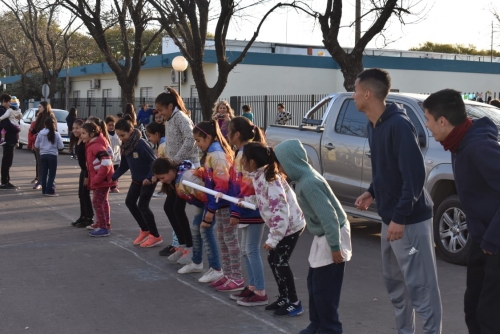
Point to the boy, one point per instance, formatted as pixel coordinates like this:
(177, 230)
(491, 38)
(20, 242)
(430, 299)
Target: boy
(14, 116)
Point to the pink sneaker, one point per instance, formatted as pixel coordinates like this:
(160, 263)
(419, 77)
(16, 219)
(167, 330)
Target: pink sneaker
(232, 285)
(218, 282)
(253, 300)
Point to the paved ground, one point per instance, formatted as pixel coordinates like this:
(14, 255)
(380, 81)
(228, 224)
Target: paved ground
(56, 279)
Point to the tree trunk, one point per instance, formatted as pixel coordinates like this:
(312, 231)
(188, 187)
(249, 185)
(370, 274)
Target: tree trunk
(128, 94)
(350, 66)
(207, 101)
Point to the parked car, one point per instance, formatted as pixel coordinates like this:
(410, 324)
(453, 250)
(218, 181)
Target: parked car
(28, 117)
(334, 135)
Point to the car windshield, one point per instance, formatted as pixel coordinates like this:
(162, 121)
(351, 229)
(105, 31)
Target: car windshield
(60, 115)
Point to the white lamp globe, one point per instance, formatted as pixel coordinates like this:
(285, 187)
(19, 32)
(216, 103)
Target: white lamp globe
(179, 63)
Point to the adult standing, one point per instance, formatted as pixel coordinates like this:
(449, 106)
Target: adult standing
(398, 177)
(31, 146)
(144, 115)
(474, 154)
(70, 119)
(283, 116)
(11, 139)
(44, 112)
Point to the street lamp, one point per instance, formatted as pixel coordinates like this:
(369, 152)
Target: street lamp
(179, 64)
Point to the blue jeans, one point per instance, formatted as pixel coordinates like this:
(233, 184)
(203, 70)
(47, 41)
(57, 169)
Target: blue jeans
(251, 237)
(204, 236)
(48, 166)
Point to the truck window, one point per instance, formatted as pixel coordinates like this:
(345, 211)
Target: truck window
(351, 121)
(422, 137)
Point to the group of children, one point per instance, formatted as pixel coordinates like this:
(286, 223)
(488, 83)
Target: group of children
(236, 161)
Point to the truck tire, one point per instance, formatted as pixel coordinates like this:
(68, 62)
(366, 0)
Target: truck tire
(450, 231)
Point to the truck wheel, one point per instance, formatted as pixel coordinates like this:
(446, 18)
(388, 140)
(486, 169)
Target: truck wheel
(450, 231)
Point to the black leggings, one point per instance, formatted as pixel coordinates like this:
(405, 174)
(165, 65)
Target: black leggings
(36, 162)
(7, 159)
(278, 260)
(175, 209)
(140, 210)
(86, 210)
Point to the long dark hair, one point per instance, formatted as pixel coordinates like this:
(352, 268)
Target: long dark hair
(163, 166)
(263, 155)
(212, 129)
(171, 97)
(130, 114)
(71, 114)
(72, 137)
(248, 130)
(100, 125)
(155, 128)
(50, 125)
(42, 116)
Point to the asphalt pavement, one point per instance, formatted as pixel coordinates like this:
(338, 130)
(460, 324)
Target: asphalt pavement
(54, 278)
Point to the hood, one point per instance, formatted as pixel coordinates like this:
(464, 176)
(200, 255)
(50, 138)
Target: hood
(44, 132)
(215, 146)
(293, 157)
(391, 110)
(481, 129)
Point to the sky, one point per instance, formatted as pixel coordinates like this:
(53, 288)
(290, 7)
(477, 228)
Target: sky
(446, 21)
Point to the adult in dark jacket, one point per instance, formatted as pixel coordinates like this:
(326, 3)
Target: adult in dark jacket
(475, 155)
(398, 177)
(144, 115)
(11, 139)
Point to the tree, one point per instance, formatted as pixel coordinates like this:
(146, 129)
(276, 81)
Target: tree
(100, 16)
(454, 48)
(187, 24)
(49, 42)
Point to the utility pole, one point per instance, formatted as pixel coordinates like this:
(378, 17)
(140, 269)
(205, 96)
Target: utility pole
(67, 83)
(357, 33)
(491, 41)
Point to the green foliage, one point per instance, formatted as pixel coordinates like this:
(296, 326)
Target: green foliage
(454, 48)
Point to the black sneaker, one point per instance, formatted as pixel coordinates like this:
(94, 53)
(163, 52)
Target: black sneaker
(289, 310)
(167, 251)
(276, 305)
(79, 220)
(85, 222)
(8, 186)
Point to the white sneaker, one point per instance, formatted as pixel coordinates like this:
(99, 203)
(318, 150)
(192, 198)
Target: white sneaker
(177, 255)
(211, 275)
(187, 255)
(159, 194)
(191, 268)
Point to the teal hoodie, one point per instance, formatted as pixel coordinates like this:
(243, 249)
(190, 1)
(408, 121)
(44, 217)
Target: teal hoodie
(322, 210)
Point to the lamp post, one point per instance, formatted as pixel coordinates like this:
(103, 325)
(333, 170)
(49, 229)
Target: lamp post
(179, 64)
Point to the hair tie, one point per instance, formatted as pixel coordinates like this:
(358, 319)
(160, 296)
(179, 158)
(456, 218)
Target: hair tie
(268, 150)
(196, 126)
(254, 128)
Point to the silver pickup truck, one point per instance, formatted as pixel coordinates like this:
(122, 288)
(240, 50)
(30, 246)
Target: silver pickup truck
(334, 135)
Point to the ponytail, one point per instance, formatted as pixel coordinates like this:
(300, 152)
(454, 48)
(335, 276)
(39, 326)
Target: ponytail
(51, 126)
(263, 155)
(101, 127)
(212, 129)
(248, 131)
(163, 166)
(170, 96)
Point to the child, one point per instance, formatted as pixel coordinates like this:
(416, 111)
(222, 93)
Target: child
(171, 175)
(49, 142)
(180, 146)
(14, 116)
(115, 143)
(100, 172)
(31, 146)
(327, 221)
(216, 161)
(279, 209)
(138, 157)
(247, 112)
(159, 118)
(223, 113)
(86, 210)
(240, 132)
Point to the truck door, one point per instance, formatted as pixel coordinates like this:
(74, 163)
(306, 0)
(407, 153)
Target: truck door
(342, 147)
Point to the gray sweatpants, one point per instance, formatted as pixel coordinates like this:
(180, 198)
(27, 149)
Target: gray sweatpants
(409, 269)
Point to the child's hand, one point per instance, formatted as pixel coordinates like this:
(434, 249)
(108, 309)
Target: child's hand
(234, 221)
(218, 196)
(337, 257)
(205, 225)
(86, 181)
(146, 182)
(154, 179)
(239, 203)
(267, 247)
(209, 217)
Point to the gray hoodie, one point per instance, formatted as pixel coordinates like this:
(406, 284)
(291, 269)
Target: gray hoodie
(46, 147)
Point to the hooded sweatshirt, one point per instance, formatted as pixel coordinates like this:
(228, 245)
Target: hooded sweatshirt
(398, 171)
(99, 163)
(216, 175)
(46, 147)
(477, 176)
(322, 210)
(190, 195)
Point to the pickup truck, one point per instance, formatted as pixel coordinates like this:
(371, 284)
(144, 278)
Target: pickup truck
(334, 135)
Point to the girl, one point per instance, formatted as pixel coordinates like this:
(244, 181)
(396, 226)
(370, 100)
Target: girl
(247, 112)
(159, 118)
(217, 160)
(138, 157)
(279, 209)
(31, 146)
(100, 172)
(130, 111)
(86, 210)
(49, 142)
(115, 143)
(171, 175)
(240, 132)
(69, 122)
(223, 113)
(180, 146)
(44, 112)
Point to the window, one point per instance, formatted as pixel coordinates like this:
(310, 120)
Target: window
(351, 121)
(91, 94)
(146, 93)
(194, 92)
(76, 94)
(106, 93)
(422, 136)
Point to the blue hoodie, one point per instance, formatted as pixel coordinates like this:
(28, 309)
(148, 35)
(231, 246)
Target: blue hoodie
(476, 169)
(398, 171)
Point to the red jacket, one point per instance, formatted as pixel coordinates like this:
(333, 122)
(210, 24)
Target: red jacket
(99, 163)
(31, 136)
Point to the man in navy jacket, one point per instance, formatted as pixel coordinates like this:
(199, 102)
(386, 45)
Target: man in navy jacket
(475, 155)
(398, 178)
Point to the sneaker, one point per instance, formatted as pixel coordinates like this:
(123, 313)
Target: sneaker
(99, 232)
(52, 195)
(246, 292)
(211, 275)
(309, 330)
(191, 268)
(176, 255)
(35, 180)
(219, 282)
(78, 221)
(187, 255)
(152, 241)
(37, 186)
(167, 251)
(276, 305)
(289, 310)
(92, 226)
(232, 285)
(114, 191)
(159, 194)
(86, 222)
(143, 235)
(254, 300)
(8, 186)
